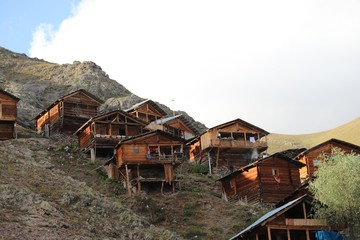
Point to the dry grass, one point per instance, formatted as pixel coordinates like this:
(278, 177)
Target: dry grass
(349, 132)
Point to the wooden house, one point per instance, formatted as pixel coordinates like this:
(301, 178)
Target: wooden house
(149, 160)
(102, 133)
(176, 125)
(291, 221)
(312, 157)
(8, 115)
(67, 113)
(268, 180)
(233, 144)
(147, 110)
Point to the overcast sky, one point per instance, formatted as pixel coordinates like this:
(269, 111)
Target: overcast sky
(285, 66)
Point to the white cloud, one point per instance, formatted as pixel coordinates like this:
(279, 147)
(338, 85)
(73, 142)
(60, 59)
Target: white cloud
(286, 66)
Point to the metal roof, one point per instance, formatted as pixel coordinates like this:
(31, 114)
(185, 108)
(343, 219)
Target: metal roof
(268, 215)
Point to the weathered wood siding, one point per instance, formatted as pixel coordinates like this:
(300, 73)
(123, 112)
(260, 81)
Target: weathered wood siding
(146, 112)
(288, 176)
(211, 138)
(312, 158)
(8, 110)
(8, 115)
(244, 185)
(85, 138)
(7, 130)
(259, 184)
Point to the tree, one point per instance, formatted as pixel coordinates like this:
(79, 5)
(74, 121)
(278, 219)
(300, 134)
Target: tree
(337, 187)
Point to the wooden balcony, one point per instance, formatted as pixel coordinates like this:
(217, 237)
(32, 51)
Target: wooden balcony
(232, 143)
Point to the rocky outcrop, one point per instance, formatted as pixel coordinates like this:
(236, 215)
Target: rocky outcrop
(39, 83)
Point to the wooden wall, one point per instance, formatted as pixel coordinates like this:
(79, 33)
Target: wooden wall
(7, 130)
(258, 184)
(211, 136)
(8, 110)
(312, 156)
(8, 115)
(288, 175)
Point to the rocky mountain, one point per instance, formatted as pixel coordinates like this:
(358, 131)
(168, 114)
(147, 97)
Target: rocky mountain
(39, 83)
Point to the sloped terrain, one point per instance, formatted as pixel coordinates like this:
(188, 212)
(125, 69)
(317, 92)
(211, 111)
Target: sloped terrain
(49, 190)
(349, 132)
(38, 200)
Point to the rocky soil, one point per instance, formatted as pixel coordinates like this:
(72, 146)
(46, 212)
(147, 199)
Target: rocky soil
(50, 190)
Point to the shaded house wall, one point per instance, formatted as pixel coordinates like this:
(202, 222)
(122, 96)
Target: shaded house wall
(68, 113)
(149, 159)
(312, 157)
(106, 130)
(234, 144)
(265, 181)
(147, 111)
(8, 115)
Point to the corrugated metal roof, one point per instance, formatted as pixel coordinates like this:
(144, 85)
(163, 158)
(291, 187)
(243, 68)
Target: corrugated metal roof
(267, 216)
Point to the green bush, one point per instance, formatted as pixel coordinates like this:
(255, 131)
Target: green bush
(197, 168)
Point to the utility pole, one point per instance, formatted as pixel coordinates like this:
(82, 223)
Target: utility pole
(173, 103)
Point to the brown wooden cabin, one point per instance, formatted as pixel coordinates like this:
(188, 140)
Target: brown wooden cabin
(291, 221)
(68, 113)
(8, 115)
(233, 144)
(102, 133)
(176, 125)
(267, 180)
(312, 157)
(149, 160)
(147, 110)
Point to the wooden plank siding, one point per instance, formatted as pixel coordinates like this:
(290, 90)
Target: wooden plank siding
(147, 111)
(8, 115)
(149, 158)
(312, 156)
(233, 144)
(68, 113)
(106, 130)
(267, 180)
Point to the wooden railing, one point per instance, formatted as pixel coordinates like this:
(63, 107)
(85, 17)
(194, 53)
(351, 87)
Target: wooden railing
(232, 143)
(304, 222)
(164, 157)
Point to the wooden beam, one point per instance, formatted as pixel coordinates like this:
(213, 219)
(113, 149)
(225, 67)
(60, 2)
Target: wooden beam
(304, 210)
(217, 157)
(307, 234)
(269, 233)
(288, 234)
(138, 179)
(127, 179)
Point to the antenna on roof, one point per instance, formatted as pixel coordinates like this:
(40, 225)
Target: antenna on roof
(173, 103)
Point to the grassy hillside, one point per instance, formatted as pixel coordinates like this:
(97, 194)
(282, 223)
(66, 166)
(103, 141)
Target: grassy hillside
(50, 190)
(349, 132)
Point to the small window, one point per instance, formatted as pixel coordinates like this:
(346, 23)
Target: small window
(317, 163)
(275, 172)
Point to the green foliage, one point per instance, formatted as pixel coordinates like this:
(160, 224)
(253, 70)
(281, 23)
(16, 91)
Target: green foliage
(197, 168)
(195, 232)
(190, 210)
(337, 187)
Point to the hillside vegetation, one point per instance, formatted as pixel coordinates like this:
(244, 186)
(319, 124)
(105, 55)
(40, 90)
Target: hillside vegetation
(50, 190)
(349, 132)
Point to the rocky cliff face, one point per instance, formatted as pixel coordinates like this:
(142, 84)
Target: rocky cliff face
(39, 83)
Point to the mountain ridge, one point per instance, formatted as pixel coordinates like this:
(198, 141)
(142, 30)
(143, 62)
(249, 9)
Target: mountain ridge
(38, 83)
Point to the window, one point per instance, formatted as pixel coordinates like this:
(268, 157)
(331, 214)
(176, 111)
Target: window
(316, 162)
(275, 172)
